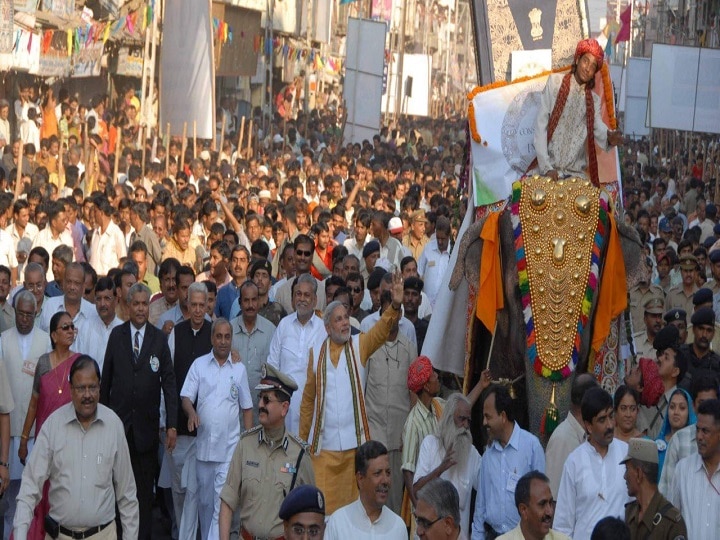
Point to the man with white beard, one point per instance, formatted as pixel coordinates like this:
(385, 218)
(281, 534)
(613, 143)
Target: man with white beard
(449, 454)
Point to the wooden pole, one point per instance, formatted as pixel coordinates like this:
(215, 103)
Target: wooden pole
(167, 152)
(194, 139)
(90, 172)
(143, 147)
(18, 179)
(222, 141)
(117, 155)
(240, 137)
(184, 147)
(250, 137)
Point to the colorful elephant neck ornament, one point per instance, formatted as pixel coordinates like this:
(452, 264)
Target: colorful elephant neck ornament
(559, 229)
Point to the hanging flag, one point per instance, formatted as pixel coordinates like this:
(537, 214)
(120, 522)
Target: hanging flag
(609, 48)
(624, 33)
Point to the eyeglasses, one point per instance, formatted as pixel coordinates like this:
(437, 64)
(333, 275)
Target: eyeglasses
(303, 253)
(356, 290)
(313, 531)
(425, 524)
(66, 327)
(265, 399)
(24, 314)
(91, 389)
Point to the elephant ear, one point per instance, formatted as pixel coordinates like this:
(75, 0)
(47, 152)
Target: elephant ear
(468, 261)
(635, 267)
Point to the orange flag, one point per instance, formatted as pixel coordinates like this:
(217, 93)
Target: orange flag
(490, 291)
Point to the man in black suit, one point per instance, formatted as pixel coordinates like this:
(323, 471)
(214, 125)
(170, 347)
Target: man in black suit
(137, 365)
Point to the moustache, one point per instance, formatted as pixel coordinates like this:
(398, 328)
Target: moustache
(262, 410)
(609, 432)
(87, 401)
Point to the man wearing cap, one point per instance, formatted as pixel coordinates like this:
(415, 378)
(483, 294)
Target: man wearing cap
(639, 296)
(653, 323)
(251, 337)
(415, 239)
(333, 416)
(678, 318)
(569, 122)
(681, 296)
(395, 227)
(702, 358)
(303, 513)
(650, 515)
(703, 298)
(268, 463)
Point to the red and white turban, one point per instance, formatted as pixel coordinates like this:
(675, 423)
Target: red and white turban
(591, 46)
(419, 373)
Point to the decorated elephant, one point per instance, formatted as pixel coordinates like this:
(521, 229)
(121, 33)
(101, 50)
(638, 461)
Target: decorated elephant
(547, 275)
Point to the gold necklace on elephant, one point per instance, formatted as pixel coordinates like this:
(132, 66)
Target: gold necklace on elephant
(559, 229)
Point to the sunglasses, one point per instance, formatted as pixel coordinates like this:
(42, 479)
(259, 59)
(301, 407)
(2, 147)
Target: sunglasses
(265, 399)
(356, 290)
(303, 253)
(68, 326)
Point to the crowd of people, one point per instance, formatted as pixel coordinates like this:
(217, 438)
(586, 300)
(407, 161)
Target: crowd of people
(232, 337)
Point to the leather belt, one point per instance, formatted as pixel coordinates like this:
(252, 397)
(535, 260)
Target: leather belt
(80, 535)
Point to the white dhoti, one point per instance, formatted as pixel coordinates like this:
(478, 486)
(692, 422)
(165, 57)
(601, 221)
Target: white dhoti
(211, 476)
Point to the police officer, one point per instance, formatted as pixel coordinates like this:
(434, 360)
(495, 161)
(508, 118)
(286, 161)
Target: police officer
(678, 318)
(653, 311)
(650, 515)
(267, 464)
(303, 512)
(640, 294)
(703, 298)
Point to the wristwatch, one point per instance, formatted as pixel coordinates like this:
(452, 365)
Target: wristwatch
(4, 464)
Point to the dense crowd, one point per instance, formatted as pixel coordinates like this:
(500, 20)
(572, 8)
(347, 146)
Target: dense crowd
(203, 330)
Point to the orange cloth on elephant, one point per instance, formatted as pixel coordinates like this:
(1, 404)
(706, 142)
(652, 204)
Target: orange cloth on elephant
(613, 288)
(490, 290)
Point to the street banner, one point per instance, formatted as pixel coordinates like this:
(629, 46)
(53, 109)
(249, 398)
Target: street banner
(54, 60)
(187, 68)
(6, 26)
(87, 60)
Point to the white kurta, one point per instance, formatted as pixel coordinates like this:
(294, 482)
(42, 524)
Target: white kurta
(352, 521)
(465, 479)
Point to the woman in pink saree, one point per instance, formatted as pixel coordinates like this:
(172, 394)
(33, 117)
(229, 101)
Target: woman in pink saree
(51, 390)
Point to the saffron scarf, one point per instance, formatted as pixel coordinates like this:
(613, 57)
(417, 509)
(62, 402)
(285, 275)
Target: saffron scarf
(362, 428)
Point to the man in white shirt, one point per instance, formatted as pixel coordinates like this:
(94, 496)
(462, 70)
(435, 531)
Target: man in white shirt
(405, 327)
(368, 517)
(450, 454)
(220, 389)
(570, 433)
(107, 246)
(435, 259)
(72, 301)
(294, 337)
(94, 339)
(592, 485)
(696, 483)
(54, 233)
(21, 226)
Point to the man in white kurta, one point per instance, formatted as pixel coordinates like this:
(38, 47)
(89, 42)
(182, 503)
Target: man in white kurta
(368, 517)
(453, 432)
(20, 348)
(592, 485)
(333, 418)
(220, 389)
(293, 338)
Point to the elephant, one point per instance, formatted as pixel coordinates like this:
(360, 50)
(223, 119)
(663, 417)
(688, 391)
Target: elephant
(508, 348)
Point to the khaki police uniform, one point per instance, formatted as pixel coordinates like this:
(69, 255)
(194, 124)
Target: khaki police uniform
(638, 299)
(261, 474)
(676, 298)
(661, 520)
